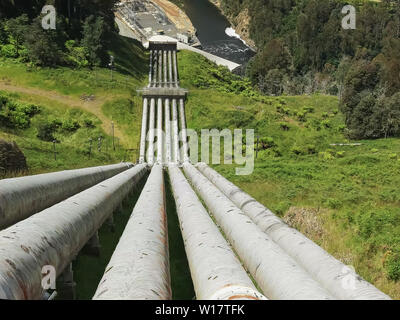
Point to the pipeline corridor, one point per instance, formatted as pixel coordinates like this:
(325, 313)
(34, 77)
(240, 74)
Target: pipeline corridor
(235, 247)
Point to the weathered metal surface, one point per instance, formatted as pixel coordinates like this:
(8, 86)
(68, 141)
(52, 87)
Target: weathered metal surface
(185, 146)
(150, 149)
(175, 66)
(167, 131)
(143, 136)
(277, 274)
(339, 279)
(160, 141)
(170, 78)
(151, 69)
(216, 271)
(22, 197)
(165, 68)
(160, 68)
(53, 237)
(175, 132)
(155, 68)
(139, 267)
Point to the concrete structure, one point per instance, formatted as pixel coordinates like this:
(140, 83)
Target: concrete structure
(139, 267)
(25, 196)
(164, 88)
(55, 236)
(182, 46)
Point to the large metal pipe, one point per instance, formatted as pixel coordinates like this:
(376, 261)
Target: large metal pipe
(167, 131)
(175, 64)
(216, 272)
(25, 196)
(155, 61)
(175, 131)
(151, 69)
(53, 237)
(139, 267)
(143, 135)
(277, 274)
(150, 153)
(336, 277)
(171, 80)
(160, 131)
(183, 130)
(165, 69)
(160, 68)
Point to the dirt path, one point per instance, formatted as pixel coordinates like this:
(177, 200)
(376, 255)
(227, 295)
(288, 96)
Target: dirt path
(93, 106)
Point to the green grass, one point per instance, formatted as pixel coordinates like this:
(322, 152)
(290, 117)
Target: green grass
(58, 91)
(354, 189)
(130, 74)
(72, 148)
(181, 281)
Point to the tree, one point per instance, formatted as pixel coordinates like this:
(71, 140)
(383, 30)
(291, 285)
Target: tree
(91, 41)
(42, 45)
(17, 29)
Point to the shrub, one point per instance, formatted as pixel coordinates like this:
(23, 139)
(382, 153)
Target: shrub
(296, 150)
(333, 203)
(340, 154)
(16, 115)
(284, 126)
(393, 156)
(325, 115)
(88, 123)
(308, 109)
(341, 128)
(393, 266)
(8, 51)
(70, 125)
(327, 124)
(311, 149)
(76, 56)
(301, 116)
(46, 131)
(267, 143)
(326, 155)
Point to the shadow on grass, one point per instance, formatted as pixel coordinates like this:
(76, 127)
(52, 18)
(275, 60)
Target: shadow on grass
(181, 280)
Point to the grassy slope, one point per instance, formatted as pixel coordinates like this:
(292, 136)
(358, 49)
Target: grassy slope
(58, 91)
(353, 190)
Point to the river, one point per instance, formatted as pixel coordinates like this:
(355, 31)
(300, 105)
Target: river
(211, 27)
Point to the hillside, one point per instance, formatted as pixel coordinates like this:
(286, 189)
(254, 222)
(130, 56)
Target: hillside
(76, 105)
(343, 197)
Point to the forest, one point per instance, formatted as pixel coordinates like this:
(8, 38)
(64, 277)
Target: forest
(303, 49)
(79, 40)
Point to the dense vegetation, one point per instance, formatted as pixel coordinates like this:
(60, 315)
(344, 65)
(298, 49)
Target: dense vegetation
(343, 197)
(303, 49)
(80, 38)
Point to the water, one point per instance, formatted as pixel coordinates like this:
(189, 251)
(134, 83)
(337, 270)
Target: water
(211, 27)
